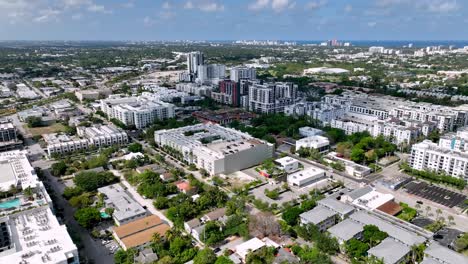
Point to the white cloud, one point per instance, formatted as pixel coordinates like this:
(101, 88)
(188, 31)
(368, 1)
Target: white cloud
(47, 14)
(275, 5)
(189, 5)
(372, 24)
(259, 4)
(211, 7)
(348, 8)
(433, 6)
(129, 4)
(316, 4)
(166, 5)
(76, 3)
(279, 5)
(204, 5)
(148, 21)
(77, 16)
(98, 9)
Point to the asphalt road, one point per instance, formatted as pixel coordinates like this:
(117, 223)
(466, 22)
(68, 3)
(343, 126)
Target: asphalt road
(92, 249)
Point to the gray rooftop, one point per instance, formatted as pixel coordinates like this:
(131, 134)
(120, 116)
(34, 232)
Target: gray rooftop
(405, 236)
(346, 229)
(444, 255)
(317, 215)
(359, 192)
(125, 207)
(337, 206)
(390, 250)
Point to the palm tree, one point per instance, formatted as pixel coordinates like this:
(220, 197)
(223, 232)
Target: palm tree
(451, 219)
(417, 253)
(418, 207)
(438, 212)
(428, 209)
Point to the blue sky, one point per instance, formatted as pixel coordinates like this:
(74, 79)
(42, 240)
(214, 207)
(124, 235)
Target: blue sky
(233, 19)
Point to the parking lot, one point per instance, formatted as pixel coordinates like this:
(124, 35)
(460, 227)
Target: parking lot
(447, 236)
(434, 193)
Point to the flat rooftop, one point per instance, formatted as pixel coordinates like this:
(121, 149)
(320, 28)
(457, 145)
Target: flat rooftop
(346, 229)
(317, 215)
(405, 236)
(37, 237)
(390, 250)
(15, 166)
(125, 206)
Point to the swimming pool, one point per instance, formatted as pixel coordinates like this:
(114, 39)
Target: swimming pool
(10, 204)
(104, 215)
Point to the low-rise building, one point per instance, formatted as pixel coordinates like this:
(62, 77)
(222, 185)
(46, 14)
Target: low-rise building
(253, 245)
(320, 216)
(126, 209)
(287, 164)
(319, 143)
(139, 233)
(95, 136)
(391, 251)
(346, 230)
(310, 131)
(306, 177)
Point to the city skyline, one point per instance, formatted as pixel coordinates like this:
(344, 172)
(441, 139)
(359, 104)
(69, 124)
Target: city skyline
(229, 20)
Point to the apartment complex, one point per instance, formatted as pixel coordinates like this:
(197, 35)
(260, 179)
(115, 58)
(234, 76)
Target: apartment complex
(271, 98)
(402, 122)
(95, 136)
(448, 156)
(8, 136)
(30, 232)
(139, 111)
(215, 148)
(238, 73)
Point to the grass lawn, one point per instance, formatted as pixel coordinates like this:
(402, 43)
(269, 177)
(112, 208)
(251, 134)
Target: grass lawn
(37, 131)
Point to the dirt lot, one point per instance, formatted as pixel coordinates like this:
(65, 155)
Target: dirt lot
(37, 131)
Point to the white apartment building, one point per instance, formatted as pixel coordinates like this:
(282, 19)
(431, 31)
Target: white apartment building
(95, 136)
(195, 88)
(271, 97)
(449, 156)
(215, 148)
(139, 111)
(430, 156)
(30, 232)
(238, 73)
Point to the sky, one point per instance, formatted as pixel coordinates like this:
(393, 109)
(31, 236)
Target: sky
(233, 19)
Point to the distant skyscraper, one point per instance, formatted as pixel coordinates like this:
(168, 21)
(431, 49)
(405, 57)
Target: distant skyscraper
(195, 59)
(238, 73)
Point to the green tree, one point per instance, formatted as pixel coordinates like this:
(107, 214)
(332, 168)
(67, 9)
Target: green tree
(223, 260)
(372, 235)
(90, 181)
(291, 215)
(264, 255)
(59, 168)
(34, 121)
(205, 256)
(87, 217)
(135, 147)
(356, 249)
